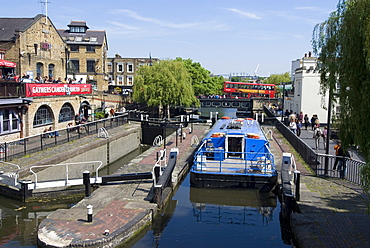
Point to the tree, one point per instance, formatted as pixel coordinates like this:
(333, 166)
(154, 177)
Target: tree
(278, 78)
(202, 81)
(164, 84)
(342, 44)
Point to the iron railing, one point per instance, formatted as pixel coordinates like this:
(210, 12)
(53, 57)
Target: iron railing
(20, 147)
(321, 164)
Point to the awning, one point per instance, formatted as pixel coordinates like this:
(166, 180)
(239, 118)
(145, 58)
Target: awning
(5, 63)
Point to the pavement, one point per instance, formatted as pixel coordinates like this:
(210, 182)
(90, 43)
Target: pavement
(331, 212)
(118, 209)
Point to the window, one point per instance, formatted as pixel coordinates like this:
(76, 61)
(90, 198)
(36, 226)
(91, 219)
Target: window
(66, 113)
(43, 116)
(90, 49)
(74, 48)
(130, 80)
(51, 70)
(77, 29)
(130, 67)
(39, 71)
(109, 64)
(119, 67)
(75, 65)
(9, 121)
(119, 79)
(90, 64)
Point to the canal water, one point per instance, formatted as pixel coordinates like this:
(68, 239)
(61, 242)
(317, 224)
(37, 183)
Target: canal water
(201, 217)
(194, 217)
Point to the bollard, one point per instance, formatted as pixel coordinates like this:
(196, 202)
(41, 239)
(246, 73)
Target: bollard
(25, 192)
(86, 181)
(297, 185)
(89, 212)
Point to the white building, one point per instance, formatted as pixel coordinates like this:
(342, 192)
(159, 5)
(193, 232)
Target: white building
(305, 95)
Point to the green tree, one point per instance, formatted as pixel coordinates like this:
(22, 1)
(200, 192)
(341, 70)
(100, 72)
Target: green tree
(164, 84)
(278, 78)
(342, 44)
(202, 81)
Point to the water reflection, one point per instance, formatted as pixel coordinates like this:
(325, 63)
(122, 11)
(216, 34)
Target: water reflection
(232, 206)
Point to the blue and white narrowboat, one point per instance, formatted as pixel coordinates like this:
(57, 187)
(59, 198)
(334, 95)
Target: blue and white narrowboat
(235, 153)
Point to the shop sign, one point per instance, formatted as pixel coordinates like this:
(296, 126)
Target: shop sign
(33, 90)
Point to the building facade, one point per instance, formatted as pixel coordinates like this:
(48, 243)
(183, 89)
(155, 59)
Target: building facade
(34, 44)
(305, 95)
(86, 54)
(121, 72)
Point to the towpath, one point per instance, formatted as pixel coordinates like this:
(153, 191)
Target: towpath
(332, 212)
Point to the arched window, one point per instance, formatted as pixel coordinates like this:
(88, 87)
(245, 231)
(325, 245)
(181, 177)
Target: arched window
(66, 113)
(51, 70)
(43, 116)
(39, 69)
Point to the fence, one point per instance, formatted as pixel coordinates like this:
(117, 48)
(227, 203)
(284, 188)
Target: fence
(20, 147)
(318, 162)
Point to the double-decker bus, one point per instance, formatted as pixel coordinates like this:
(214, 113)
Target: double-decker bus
(248, 90)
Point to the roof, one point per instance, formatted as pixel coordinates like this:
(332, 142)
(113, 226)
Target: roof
(78, 24)
(9, 26)
(89, 37)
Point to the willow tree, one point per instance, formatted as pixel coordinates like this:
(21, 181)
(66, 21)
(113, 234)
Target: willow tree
(342, 44)
(164, 84)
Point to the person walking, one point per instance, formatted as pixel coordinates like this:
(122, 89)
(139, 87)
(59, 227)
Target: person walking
(313, 119)
(336, 148)
(342, 163)
(299, 128)
(293, 126)
(306, 121)
(317, 136)
(324, 136)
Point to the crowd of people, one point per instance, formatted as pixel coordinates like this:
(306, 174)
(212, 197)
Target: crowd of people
(46, 79)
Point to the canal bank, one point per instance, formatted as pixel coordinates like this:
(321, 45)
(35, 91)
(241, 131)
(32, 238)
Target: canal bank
(118, 210)
(331, 212)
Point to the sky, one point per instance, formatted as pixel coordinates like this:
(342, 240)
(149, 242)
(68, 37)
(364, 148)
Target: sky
(234, 37)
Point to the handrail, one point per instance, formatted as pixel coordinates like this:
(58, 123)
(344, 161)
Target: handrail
(66, 164)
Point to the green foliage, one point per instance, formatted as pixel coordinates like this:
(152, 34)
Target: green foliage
(165, 83)
(201, 78)
(278, 78)
(99, 115)
(343, 45)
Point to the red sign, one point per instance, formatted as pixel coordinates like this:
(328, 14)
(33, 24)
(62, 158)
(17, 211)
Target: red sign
(33, 89)
(5, 63)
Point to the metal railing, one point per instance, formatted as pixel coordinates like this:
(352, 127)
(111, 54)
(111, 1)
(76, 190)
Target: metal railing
(217, 161)
(319, 162)
(20, 147)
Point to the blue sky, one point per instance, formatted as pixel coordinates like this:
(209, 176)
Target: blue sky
(226, 37)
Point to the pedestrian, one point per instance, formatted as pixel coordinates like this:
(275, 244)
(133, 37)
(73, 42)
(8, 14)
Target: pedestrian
(299, 128)
(336, 148)
(342, 163)
(300, 116)
(293, 126)
(317, 136)
(306, 121)
(324, 136)
(313, 119)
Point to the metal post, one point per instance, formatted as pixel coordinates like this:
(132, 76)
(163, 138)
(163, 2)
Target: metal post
(297, 185)
(89, 212)
(86, 181)
(26, 193)
(328, 135)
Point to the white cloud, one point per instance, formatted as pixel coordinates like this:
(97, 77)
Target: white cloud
(244, 14)
(158, 22)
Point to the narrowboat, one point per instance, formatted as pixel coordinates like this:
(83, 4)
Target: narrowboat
(235, 153)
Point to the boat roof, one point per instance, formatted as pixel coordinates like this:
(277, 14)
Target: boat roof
(237, 127)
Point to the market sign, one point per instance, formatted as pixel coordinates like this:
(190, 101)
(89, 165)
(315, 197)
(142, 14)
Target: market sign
(33, 89)
(5, 63)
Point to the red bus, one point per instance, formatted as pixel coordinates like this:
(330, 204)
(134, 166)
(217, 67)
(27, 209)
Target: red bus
(248, 90)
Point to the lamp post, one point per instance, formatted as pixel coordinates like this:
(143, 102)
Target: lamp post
(326, 170)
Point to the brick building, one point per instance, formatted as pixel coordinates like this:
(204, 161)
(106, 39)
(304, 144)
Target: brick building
(34, 44)
(121, 73)
(86, 54)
